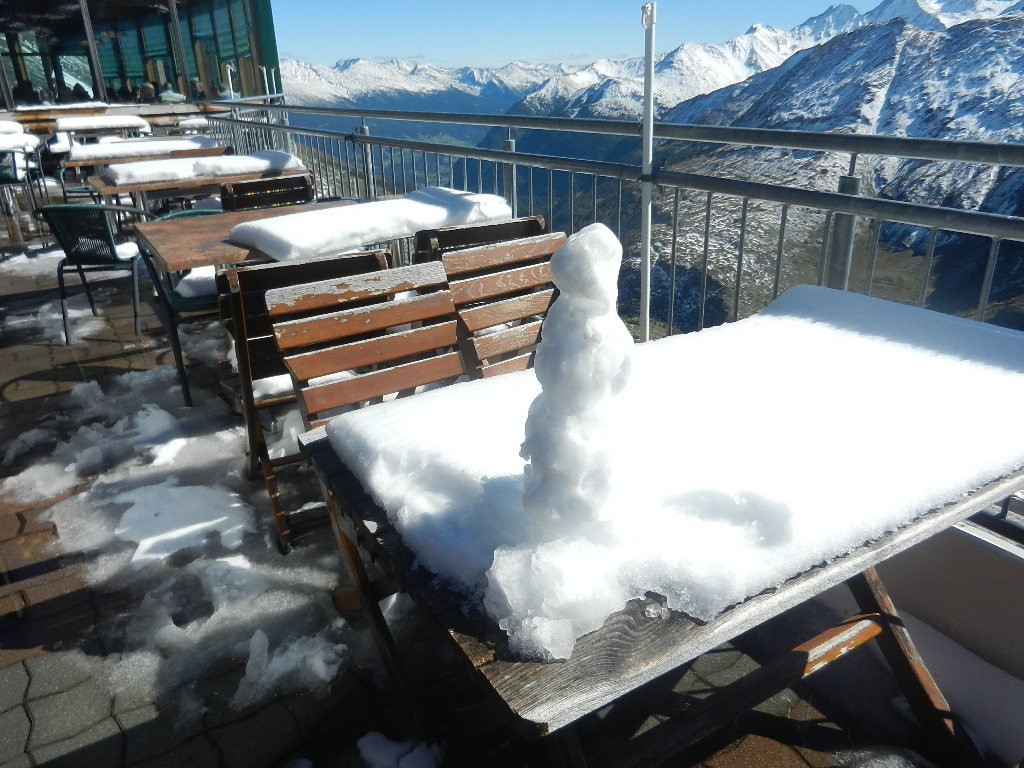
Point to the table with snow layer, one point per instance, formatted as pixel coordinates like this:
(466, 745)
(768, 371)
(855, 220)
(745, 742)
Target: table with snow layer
(755, 465)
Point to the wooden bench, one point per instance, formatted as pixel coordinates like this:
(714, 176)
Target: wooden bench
(432, 244)
(504, 286)
(244, 312)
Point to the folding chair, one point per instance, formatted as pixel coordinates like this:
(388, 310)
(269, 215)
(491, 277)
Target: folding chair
(258, 358)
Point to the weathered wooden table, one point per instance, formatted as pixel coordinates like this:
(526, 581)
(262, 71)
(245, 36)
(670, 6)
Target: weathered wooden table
(632, 647)
(180, 244)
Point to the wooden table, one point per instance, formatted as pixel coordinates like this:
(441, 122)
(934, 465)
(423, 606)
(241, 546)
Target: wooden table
(634, 647)
(180, 244)
(193, 187)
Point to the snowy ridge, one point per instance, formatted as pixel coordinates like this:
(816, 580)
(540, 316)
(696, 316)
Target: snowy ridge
(610, 88)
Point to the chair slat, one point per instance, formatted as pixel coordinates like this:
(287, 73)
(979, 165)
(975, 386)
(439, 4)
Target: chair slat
(292, 334)
(490, 314)
(378, 383)
(260, 278)
(325, 293)
(520, 363)
(509, 340)
(372, 351)
(468, 260)
(490, 286)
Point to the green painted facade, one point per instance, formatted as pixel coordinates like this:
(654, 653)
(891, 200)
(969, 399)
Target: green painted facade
(222, 41)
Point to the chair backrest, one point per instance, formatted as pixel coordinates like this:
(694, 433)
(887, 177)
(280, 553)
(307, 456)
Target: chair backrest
(501, 292)
(431, 244)
(371, 335)
(246, 288)
(84, 232)
(11, 171)
(267, 193)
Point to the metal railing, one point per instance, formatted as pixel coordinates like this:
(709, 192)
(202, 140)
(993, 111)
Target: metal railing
(723, 246)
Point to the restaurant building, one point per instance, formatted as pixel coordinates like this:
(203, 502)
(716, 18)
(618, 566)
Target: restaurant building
(64, 51)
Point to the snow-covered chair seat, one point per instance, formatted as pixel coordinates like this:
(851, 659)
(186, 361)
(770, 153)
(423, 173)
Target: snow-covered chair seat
(317, 233)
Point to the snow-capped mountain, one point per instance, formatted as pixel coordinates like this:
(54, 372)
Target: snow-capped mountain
(606, 88)
(398, 83)
(894, 79)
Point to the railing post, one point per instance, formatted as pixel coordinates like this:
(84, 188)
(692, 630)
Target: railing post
(368, 184)
(647, 187)
(509, 145)
(843, 228)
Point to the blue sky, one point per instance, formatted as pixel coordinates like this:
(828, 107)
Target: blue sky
(486, 33)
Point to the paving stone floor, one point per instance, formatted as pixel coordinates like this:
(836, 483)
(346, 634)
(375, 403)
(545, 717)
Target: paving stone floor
(56, 710)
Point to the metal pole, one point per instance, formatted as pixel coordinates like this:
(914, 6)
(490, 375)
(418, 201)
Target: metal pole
(178, 49)
(509, 145)
(266, 84)
(843, 230)
(94, 59)
(231, 87)
(646, 187)
(364, 130)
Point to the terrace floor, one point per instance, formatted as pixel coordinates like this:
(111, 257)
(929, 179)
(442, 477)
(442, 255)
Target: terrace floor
(71, 644)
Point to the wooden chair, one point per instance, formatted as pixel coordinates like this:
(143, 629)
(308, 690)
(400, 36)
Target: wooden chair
(386, 341)
(431, 244)
(505, 286)
(267, 193)
(390, 341)
(242, 294)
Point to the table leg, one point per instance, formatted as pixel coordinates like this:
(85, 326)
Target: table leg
(954, 747)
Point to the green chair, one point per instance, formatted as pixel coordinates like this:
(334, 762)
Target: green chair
(92, 243)
(174, 306)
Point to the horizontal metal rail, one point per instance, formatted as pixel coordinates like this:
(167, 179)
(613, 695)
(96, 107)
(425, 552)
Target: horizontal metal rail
(951, 219)
(596, 167)
(866, 144)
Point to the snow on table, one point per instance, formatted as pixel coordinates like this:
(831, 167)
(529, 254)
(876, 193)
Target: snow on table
(177, 169)
(324, 232)
(20, 142)
(101, 122)
(101, 152)
(749, 453)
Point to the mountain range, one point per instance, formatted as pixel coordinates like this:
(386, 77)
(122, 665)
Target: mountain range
(951, 69)
(606, 88)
